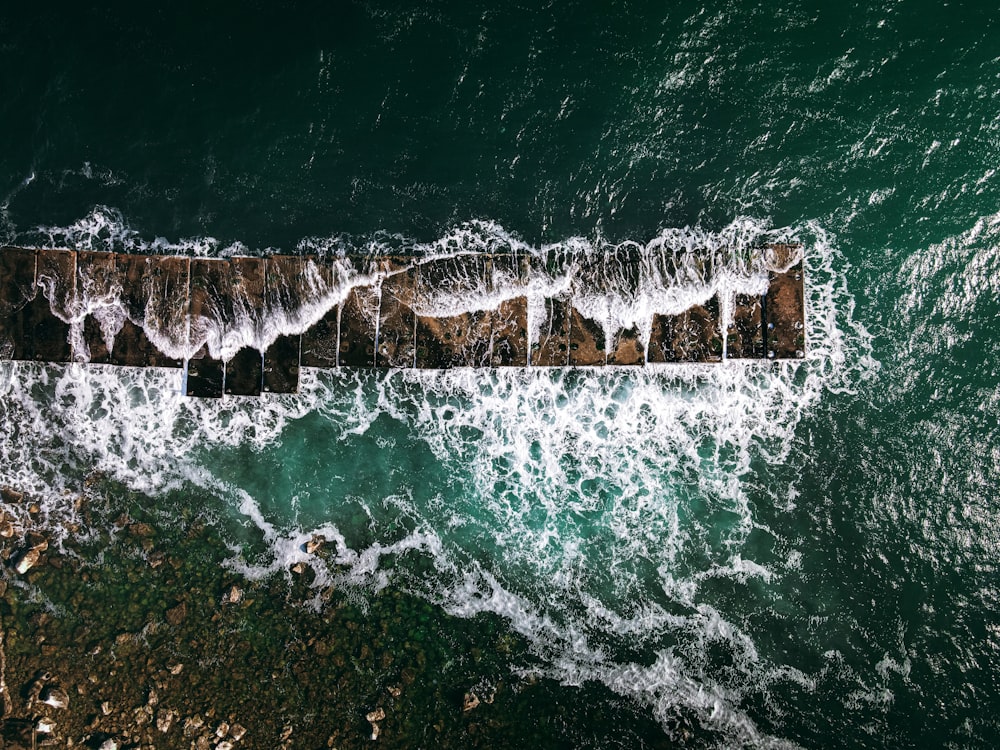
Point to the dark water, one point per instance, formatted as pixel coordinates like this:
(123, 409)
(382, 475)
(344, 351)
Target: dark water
(801, 554)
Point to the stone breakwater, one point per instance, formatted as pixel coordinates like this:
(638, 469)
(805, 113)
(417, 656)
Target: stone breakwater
(246, 325)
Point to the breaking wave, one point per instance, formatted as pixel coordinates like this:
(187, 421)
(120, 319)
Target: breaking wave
(592, 509)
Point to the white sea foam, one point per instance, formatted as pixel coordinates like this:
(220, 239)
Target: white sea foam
(594, 510)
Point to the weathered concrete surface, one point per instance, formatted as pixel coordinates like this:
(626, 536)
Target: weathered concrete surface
(320, 342)
(226, 296)
(552, 347)
(692, 336)
(745, 335)
(461, 340)
(626, 348)
(17, 290)
(509, 332)
(397, 320)
(784, 312)
(96, 280)
(155, 297)
(281, 365)
(460, 311)
(495, 335)
(359, 315)
(284, 290)
(205, 376)
(244, 373)
(52, 308)
(587, 346)
(608, 277)
(454, 341)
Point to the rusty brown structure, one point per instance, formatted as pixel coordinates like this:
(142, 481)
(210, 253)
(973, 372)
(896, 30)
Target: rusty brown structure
(143, 311)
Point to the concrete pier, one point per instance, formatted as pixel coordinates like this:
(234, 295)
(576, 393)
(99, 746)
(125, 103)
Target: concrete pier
(388, 312)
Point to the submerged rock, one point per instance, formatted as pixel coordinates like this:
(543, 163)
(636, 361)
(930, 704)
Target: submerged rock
(55, 697)
(29, 558)
(374, 717)
(315, 544)
(176, 615)
(470, 702)
(141, 530)
(233, 595)
(165, 719)
(193, 725)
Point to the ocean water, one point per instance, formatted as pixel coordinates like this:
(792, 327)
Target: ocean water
(795, 554)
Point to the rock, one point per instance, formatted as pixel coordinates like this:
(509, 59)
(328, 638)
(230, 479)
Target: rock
(165, 719)
(6, 528)
(299, 568)
(142, 716)
(233, 595)
(470, 702)
(222, 730)
(315, 544)
(224, 745)
(176, 669)
(109, 744)
(11, 496)
(106, 708)
(55, 696)
(395, 691)
(176, 615)
(192, 724)
(203, 742)
(34, 540)
(45, 726)
(237, 732)
(285, 733)
(37, 685)
(374, 717)
(153, 698)
(27, 560)
(142, 530)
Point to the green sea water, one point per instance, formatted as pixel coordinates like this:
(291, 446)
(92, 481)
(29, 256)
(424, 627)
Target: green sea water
(773, 555)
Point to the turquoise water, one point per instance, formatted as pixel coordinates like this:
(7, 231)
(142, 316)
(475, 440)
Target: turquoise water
(800, 553)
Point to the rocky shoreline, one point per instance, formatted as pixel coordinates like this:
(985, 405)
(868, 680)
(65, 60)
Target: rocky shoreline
(128, 633)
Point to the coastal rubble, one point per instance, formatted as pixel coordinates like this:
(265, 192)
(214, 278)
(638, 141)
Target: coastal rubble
(92, 655)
